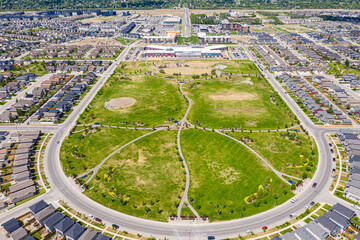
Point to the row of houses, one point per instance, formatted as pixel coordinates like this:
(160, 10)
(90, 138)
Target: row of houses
(14, 84)
(61, 51)
(347, 51)
(104, 52)
(340, 96)
(54, 222)
(21, 108)
(351, 144)
(97, 66)
(316, 103)
(16, 155)
(329, 225)
(64, 99)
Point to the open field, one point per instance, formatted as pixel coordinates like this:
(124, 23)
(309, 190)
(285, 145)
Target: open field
(158, 102)
(134, 67)
(187, 70)
(291, 153)
(224, 173)
(97, 42)
(145, 179)
(99, 19)
(176, 12)
(81, 152)
(237, 102)
(295, 28)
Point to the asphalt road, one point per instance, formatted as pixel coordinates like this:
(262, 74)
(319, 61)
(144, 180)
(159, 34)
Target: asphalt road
(61, 188)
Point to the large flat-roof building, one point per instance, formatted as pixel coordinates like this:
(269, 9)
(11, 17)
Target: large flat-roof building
(198, 51)
(234, 26)
(204, 38)
(169, 38)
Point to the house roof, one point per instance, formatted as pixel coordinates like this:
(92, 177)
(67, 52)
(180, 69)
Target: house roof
(21, 185)
(328, 224)
(88, 234)
(75, 231)
(64, 225)
(346, 212)
(30, 238)
(317, 230)
(53, 219)
(46, 212)
(37, 207)
(11, 225)
(102, 237)
(19, 234)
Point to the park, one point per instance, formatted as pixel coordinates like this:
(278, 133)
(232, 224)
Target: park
(125, 154)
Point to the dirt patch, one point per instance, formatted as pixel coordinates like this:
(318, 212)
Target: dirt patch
(120, 103)
(241, 96)
(142, 158)
(187, 70)
(230, 175)
(139, 181)
(98, 42)
(201, 64)
(248, 81)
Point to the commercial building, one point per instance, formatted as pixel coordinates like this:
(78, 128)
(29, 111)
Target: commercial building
(169, 38)
(172, 20)
(234, 26)
(204, 38)
(199, 51)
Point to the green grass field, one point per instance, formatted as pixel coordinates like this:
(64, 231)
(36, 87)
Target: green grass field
(284, 150)
(149, 172)
(237, 102)
(158, 102)
(223, 173)
(79, 154)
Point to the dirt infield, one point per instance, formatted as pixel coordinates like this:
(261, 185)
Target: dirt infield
(243, 96)
(98, 42)
(187, 70)
(119, 103)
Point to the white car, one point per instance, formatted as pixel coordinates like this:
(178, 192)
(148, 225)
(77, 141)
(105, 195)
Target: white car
(307, 206)
(356, 207)
(292, 215)
(293, 200)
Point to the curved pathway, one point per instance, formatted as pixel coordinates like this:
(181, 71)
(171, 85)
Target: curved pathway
(184, 199)
(278, 173)
(97, 167)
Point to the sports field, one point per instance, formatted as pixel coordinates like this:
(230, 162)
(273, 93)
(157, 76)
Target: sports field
(158, 102)
(237, 102)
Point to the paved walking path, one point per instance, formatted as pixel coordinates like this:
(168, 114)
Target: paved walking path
(96, 169)
(184, 199)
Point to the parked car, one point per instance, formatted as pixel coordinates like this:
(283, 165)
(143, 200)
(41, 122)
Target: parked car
(332, 150)
(292, 215)
(293, 200)
(314, 185)
(330, 144)
(334, 159)
(98, 220)
(312, 203)
(211, 237)
(115, 226)
(356, 207)
(307, 206)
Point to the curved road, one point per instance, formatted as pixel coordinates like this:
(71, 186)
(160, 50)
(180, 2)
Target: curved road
(62, 188)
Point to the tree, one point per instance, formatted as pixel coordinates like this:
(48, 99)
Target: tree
(330, 109)
(293, 187)
(347, 63)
